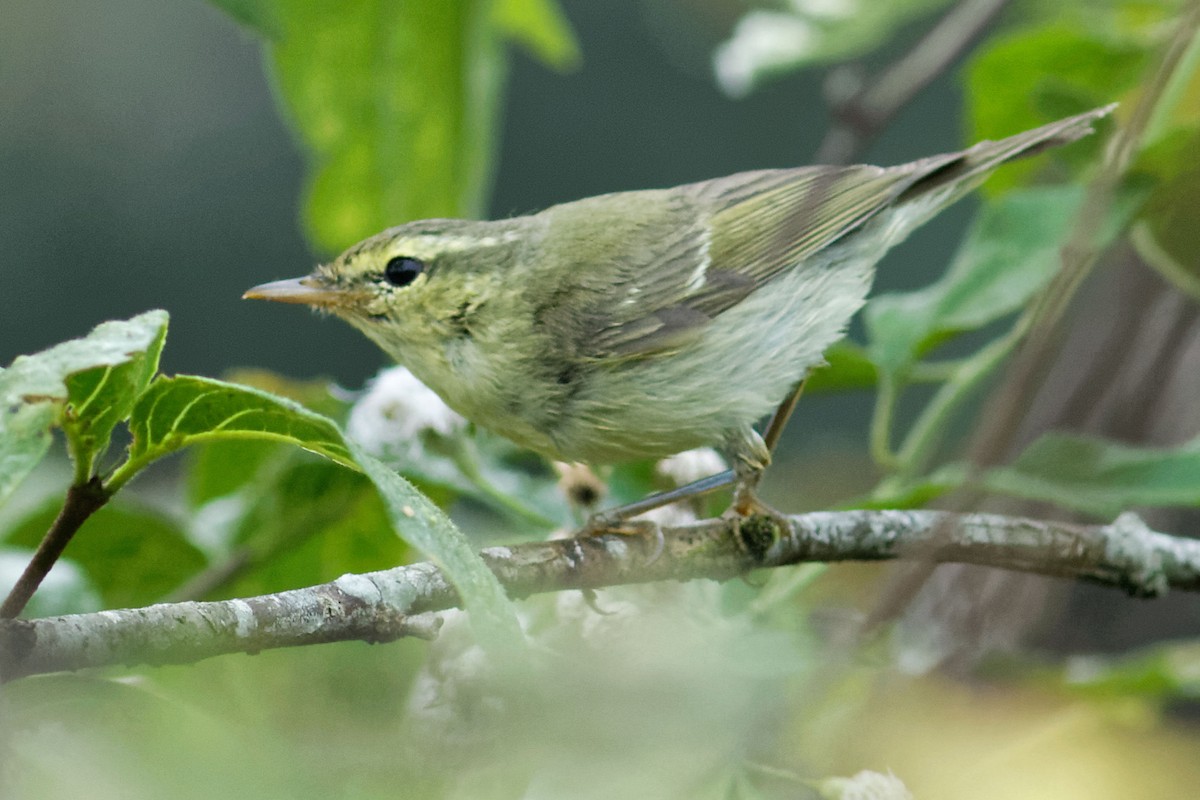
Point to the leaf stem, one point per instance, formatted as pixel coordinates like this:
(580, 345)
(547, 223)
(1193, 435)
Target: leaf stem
(464, 460)
(923, 437)
(881, 423)
(82, 500)
(859, 115)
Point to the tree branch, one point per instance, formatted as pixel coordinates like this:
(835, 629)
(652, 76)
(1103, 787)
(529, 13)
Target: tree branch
(384, 606)
(861, 108)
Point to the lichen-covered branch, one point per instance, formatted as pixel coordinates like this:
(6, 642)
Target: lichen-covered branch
(386, 605)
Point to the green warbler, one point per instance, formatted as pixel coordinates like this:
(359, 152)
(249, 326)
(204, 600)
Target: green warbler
(645, 323)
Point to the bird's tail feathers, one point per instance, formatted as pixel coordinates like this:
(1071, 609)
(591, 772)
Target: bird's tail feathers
(963, 171)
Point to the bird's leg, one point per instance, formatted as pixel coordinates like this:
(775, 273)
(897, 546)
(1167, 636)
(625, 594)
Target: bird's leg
(756, 525)
(779, 419)
(747, 451)
(617, 519)
(751, 455)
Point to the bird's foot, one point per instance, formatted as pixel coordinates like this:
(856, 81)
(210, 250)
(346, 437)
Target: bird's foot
(602, 523)
(756, 525)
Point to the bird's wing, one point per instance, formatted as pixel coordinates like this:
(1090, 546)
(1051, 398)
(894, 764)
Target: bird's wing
(747, 229)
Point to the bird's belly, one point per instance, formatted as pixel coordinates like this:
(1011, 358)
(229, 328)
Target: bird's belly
(741, 367)
(484, 384)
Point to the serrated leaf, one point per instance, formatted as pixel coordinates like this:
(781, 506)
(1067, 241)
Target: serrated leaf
(98, 376)
(420, 522)
(132, 556)
(396, 104)
(176, 412)
(1101, 477)
(100, 398)
(540, 26)
(186, 409)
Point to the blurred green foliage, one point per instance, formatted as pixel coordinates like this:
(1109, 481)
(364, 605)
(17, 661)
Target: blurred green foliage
(397, 104)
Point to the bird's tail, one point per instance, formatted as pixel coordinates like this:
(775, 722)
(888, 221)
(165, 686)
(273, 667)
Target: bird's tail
(963, 171)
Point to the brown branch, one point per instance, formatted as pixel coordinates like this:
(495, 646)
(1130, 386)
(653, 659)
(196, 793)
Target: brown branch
(861, 113)
(383, 606)
(82, 500)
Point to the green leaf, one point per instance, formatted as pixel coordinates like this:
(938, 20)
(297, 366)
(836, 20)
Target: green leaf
(220, 468)
(261, 16)
(848, 367)
(397, 105)
(1011, 251)
(769, 43)
(540, 26)
(100, 398)
(24, 440)
(176, 412)
(1101, 477)
(1025, 79)
(424, 525)
(132, 556)
(898, 493)
(187, 409)
(1169, 670)
(88, 385)
(1165, 235)
(311, 521)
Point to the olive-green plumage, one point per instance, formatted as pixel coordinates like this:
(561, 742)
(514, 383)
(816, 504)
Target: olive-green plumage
(644, 323)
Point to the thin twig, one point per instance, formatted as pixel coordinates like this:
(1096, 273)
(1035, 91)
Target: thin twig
(382, 606)
(82, 500)
(860, 115)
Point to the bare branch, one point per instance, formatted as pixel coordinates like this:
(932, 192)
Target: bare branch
(861, 108)
(383, 606)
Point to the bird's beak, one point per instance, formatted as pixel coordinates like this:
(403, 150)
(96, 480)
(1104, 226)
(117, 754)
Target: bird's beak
(307, 291)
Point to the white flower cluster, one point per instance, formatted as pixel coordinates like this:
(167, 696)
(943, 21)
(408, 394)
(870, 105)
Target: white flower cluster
(691, 465)
(865, 785)
(390, 418)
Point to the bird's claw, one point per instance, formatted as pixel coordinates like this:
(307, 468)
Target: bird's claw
(756, 525)
(601, 524)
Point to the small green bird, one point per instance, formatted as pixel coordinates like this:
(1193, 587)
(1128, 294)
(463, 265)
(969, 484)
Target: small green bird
(645, 323)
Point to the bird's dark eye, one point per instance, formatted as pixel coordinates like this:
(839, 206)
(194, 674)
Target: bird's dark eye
(402, 270)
